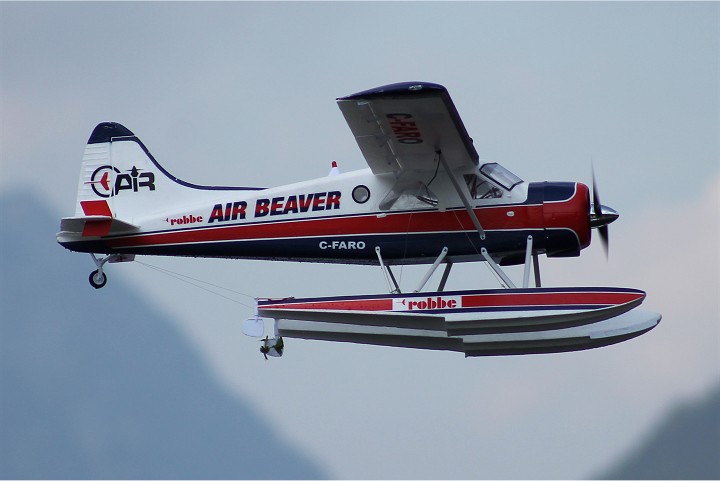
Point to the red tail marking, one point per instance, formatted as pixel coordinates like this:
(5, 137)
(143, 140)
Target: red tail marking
(96, 207)
(97, 228)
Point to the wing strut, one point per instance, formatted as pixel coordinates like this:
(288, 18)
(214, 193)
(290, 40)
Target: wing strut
(459, 191)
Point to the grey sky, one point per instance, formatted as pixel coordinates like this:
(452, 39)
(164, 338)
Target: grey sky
(244, 93)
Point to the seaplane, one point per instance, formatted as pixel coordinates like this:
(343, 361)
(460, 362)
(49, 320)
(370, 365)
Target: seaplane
(425, 198)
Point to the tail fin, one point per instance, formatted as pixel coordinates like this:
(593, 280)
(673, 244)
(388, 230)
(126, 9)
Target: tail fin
(119, 177)
(122, 185)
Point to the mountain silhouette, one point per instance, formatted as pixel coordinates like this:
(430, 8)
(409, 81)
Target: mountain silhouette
(685, 445)
(98, 384)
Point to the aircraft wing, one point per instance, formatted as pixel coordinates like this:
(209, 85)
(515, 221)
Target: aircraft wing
(400, 127)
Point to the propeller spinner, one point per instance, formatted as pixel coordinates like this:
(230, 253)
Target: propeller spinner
(601, 216)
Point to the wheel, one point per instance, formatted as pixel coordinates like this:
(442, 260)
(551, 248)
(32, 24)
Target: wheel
(97, 279)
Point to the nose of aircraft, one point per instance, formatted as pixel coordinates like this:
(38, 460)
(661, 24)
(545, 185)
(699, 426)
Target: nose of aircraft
(607, 215)
(600, 220)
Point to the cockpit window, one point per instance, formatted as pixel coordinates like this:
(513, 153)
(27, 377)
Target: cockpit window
(480, 188)
(499, 174)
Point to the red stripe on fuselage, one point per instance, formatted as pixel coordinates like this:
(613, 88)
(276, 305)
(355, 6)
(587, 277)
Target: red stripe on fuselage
(524, 217)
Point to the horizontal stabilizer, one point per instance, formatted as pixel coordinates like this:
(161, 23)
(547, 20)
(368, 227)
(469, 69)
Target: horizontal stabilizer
(94, 225)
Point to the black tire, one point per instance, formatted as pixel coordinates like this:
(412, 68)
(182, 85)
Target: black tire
(97, 280)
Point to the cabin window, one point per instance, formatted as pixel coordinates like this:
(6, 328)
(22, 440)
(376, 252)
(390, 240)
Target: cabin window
(361, 194)
(409, 196)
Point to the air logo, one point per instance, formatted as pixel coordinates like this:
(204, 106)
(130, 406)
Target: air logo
(107, 181)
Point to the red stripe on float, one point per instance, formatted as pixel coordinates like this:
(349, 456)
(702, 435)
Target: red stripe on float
(342, 305)
(561, 299)
(550, 299)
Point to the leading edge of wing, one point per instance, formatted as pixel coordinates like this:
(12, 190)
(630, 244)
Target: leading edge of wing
(401, 126)
(410, 89)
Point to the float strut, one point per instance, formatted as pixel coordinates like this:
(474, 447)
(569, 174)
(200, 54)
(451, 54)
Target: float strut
(528, 258)
(536, 268)
(446, 274)
(430, 271)
(497, 268)
(392, 277)
(388, 274)
(535, 263)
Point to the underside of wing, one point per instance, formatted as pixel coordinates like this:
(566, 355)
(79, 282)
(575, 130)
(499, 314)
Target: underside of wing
(401, 128)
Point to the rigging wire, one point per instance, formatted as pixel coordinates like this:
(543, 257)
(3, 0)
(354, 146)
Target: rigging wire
(194, 282)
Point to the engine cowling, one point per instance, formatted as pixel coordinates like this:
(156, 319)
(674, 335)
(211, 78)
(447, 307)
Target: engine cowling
(566, 206)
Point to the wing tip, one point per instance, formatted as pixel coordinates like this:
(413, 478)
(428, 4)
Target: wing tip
(398, 89)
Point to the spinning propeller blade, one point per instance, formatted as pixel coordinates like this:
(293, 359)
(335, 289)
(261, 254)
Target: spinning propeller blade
(601, 216)
(605, 239)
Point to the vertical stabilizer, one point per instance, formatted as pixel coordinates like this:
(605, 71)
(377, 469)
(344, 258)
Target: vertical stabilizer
(121, 179)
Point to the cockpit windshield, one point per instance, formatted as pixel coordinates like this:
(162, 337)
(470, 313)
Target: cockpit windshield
(485, 186)
(500, 175)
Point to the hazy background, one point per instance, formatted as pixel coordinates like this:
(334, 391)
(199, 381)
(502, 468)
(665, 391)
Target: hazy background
(243, 93)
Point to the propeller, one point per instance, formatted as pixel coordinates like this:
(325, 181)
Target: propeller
(601, 216)
(273, 347)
